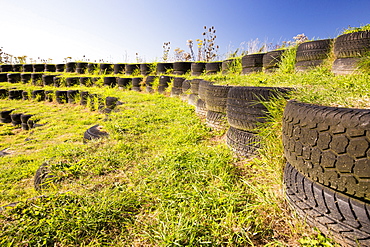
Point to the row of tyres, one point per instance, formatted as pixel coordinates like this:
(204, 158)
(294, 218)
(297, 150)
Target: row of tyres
(327, 174)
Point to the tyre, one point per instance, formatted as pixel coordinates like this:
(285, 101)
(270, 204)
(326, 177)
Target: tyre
(36, 79)
(132, 69)
(60, 67)
(92, 67)
(38, 95)
(201, 108)
(242, 142)
(38, 68)
(244, 106)
(110, 81)
(84, 95)
(25, 118)
(352, 44)
(50, 68)
(216, 120)
(164, 68)
(165, 80)
(71, 67)
(111, 102)
(6, 68)
(202, 89)
(49, 95)
(17, 67)
(25, 95)
(105, 68)
(192, 99)
(72, 81)
(177, 82)
(345, 66)
(85, 81)
(95, 132)
(176, 91)
(3, 77)
(61, 97)
(81, 67)
(194, 85)
(16, 119)
(5, 116)
(27, 68)
(181, 68)
(119, 68)
(136, 81)
(330, 146)
(197, 68)
(314, 50)
(216, 97)
(213, 67)
(252, 63)
(337, 215)
(14, 77)
(15, 94)
(25, 78)
(271, 60)
(48, 80)
(186, 86)
(124, 82)
(57, 81)
(42, 177)
(72, 95)
(145, 69)
(3, 93)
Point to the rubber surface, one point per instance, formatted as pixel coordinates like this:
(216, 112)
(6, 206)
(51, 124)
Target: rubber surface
(338, 216)
(216, 97)
(329, 145)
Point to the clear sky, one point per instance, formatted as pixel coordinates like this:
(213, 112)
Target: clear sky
(115, 30)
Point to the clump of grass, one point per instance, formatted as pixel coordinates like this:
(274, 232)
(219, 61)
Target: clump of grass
(350, 29)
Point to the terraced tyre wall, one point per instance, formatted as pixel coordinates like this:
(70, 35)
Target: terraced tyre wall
(330, 146)
(216, 120)
(216, 97)
(242, 142)
(244, 106)
(335, 214)
(352, 44)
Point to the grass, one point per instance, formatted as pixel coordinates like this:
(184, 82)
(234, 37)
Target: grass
(162, 178)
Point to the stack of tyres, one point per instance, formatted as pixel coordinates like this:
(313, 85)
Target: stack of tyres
(136, 84)
(181, 68)
(312, 54)
(163, 83)
(176, 89)
(149, 80)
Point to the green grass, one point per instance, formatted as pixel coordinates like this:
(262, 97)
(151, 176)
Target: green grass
(162, 178)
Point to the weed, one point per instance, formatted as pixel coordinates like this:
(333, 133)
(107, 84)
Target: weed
(356, 29)
(166, 51)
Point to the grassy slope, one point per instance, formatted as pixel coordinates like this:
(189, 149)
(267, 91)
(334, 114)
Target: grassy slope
(162, 178)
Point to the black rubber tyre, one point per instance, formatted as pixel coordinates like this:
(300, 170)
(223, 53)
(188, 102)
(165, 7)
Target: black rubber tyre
(272, 59)
(165, 80)
(60, 67)
(329, 145)
(14, 77)
(132, 68)
(197, 68)
(176, 91)
(15, 94)
(16, 119)
(61, 97)
(216, 97)
(106, 68)
(177, 82)
(229, 63)
(352, 44)
(136, 84)
(72, 95)
(181, 68)
(164, 68)
(85, 81)
(338, 216)
(25, 118)
(110, 81)
(42, 177)
(202, 89)
(25, 78)
(92, 67)
(213, 67)
(3, 77)
(94, 133)
(36, 79)
(50, 68)
(242, 142)
(145, 69)
(84, 95)
(25, 95)
(4, 93)
(345, 66)
(314, 50)
(111, 102)
(57, 81)
(216, 120)
(38, 95)
(81, 67)
(38, 68)
(48, 80)
(71, 67)
(201, 108)
(124, 82)
(6, 68)
(72, 81)
(149, 80)
(193, 99)
(27, 68)
(5, 116)
(244, 106)
(17, 67)
(49, 95)
(119, 68)
(186, 86)
(252, 63)
(194, 85)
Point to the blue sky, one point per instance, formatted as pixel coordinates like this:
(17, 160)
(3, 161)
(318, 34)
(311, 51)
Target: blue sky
(115, 30)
